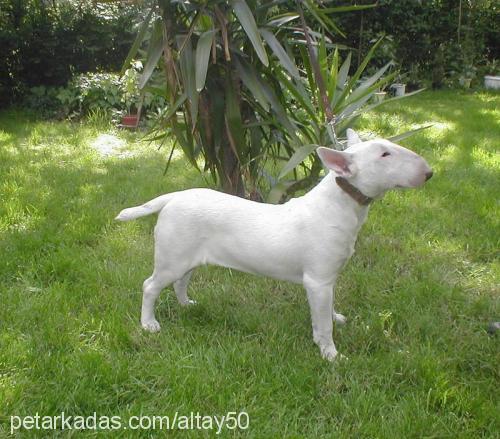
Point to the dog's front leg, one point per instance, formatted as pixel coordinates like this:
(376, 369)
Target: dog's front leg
(320, 299)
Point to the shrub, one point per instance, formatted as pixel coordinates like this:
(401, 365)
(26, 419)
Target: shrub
(43, 101)
(96, 90)
(47, 43)
(87, 93)
(435, 41)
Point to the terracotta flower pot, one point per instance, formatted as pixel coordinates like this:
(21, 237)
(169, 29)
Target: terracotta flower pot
(130, 120)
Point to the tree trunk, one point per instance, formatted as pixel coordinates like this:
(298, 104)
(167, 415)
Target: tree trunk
(232, 182)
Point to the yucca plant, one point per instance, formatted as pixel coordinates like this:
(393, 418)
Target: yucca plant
(323, 114)
(228, 79)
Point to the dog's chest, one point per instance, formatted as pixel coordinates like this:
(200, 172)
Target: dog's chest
(335, 237)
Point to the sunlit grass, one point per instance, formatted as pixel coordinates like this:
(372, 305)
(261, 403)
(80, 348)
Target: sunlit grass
(419, 292)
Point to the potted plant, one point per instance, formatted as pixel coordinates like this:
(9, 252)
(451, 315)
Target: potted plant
(399, 86)
(467, 75)
(131, 96)
(492, 81)
(380, 95)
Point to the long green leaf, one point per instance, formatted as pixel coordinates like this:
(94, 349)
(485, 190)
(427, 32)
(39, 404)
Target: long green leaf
(347, 121)
(332, 78)
(408, 133)
(350, 104)
(247, 21)
(191, 29)
(277, 192)
(395, 98)
(359, 91)
(354, 106)
(155, 138)
(304, 56)
(359, 70)
(137, 42)
(250, 78)
(280, 52)
(187, 145)
(323, 57)
(173, 109)
(322, 18)
(280, 113)
(298, 157)
(281, 19)
(165, 117)
(298, 93)
(155, 50)
(348, 8)
(188, 76)
(343, 72)
(202, 56)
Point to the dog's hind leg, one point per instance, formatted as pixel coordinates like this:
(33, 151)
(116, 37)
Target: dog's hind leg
(337, 317)
(151, 290)
(180, 288)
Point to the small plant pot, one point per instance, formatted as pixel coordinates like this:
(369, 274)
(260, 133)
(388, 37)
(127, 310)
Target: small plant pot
(130, 121)
(492, 82)
(380, 96)
(399, 89)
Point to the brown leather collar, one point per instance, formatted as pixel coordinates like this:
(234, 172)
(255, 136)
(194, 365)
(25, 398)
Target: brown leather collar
(353, 191)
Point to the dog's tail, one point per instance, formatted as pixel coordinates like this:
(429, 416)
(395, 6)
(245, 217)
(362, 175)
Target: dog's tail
(152, 206)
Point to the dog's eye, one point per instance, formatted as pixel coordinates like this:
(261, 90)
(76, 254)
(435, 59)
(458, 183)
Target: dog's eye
(385, 154)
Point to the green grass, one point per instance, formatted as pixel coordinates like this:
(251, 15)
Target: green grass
(419, 293)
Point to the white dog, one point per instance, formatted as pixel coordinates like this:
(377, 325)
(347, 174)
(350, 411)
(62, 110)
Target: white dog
(306, 240)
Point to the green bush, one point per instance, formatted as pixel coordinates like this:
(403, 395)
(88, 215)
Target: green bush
(47, 43)
(94, 90)
(435, 41)
(87, 93)
(43, 101)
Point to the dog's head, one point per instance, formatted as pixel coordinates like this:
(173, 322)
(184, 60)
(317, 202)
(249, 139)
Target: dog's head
(376, 166)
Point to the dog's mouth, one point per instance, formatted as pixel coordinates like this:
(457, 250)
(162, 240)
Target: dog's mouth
(409, 185)
(416, 182)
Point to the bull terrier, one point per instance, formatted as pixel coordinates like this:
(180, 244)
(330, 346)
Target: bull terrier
(306, 240)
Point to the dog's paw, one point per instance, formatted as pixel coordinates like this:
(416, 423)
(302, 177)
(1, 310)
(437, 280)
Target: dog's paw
(151, 326)
(339, 318)
(188, 302)
(328, 352)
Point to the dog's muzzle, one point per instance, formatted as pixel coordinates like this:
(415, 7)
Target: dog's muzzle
(428, 175)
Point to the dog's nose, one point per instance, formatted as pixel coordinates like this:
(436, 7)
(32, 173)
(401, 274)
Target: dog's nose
(428, 175)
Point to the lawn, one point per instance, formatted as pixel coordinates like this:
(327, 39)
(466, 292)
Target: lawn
(419, 293)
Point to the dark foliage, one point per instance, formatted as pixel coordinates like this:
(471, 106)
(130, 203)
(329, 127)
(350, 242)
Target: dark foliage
(46, 43)
(434, 41)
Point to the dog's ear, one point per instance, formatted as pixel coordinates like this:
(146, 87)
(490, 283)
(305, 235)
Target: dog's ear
(352, 137)
(338, 161)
